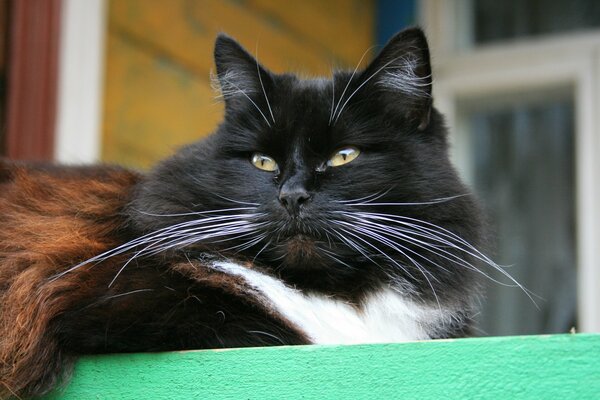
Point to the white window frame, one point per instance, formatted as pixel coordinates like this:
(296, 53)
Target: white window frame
(531, 64)
(80, 81)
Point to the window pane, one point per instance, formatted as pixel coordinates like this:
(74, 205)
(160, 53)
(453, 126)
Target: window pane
(523, 171)
(495, 20)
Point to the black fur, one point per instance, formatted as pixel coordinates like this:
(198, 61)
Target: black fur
(403, 147)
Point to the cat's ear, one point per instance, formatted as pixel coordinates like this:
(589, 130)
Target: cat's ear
(403, 69)
(240, 78)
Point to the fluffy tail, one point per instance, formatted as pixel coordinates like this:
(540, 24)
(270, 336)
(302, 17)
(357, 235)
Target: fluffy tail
(50, 219)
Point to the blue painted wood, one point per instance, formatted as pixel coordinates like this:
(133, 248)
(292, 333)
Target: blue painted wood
(392, 16)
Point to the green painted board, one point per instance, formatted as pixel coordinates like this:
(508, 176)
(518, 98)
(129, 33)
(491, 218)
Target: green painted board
(521, 367)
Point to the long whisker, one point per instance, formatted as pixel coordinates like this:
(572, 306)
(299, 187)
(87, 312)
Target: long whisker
(378, 250)
(128, 293)
(423, 203)
(261, 250)
(350, 80)
(177, 243)
(371, 197)
(248, 97)
(436, 250)
(394, 246)
(353, 245)
(398, 219)
(235, 201)
(203, 236)
(263, 86)
(195, 212)
(214, 222)
(246, 245)
(361, 85)
(332, 94)
(449, 238)
(334, 258)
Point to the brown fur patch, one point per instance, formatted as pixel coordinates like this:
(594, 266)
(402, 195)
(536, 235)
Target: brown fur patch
(50, 219)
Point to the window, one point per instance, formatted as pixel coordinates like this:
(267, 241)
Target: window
(519, 83)
(520, 151)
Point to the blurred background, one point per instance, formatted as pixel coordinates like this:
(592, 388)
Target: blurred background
(127, 81)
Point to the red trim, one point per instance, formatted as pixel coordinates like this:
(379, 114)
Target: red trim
(32, 78)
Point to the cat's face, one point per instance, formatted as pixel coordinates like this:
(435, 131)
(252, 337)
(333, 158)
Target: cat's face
(307, 176)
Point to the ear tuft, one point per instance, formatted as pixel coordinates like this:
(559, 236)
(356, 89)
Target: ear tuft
(229, 54)
(402, 76)
(237, 71)
(403, 69)
(406, 63)
(233, 68)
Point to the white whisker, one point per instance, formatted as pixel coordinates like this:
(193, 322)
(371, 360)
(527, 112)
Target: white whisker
(128, 293)
(262, 85)
(235, 201)
(371, 197)
(177, 243)
(261, 250)
(210, 226)
(269, 335)
(361, 85)
(453, 258)
(334, 258)
(248, 97)
(442, 235)
(349, 81)
(332, 95)
(396, 263)
(196, 212)
(422, 203)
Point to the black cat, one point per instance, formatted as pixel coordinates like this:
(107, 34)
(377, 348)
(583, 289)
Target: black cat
(320, 211)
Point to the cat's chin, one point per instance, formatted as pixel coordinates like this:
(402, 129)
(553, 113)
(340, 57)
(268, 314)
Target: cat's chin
(302, 252)
(299, 252)
(301, 248)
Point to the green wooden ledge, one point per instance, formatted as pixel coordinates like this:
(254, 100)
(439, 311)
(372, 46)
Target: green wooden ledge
(522, 367)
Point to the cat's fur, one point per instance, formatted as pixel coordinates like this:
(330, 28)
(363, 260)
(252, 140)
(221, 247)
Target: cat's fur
(208, 251)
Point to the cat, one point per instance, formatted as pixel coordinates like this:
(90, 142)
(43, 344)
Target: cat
(319, 211)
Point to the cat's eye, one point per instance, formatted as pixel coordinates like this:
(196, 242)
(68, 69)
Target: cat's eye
(343, 156)
(264, 162)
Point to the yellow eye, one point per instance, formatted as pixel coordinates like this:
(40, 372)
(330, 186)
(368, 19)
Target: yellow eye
(264, 162)
(343, 156)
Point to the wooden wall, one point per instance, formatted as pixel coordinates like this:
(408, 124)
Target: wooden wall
(159, 58)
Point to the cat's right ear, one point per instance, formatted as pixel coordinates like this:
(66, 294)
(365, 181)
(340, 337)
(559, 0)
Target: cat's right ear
(240, 78)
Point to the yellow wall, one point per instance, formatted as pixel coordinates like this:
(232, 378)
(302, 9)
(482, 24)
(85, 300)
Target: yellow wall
(159, 58)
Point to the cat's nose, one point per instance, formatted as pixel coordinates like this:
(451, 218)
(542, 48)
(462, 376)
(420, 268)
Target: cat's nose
(292, 199)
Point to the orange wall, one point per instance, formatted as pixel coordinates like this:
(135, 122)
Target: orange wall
(159, 58)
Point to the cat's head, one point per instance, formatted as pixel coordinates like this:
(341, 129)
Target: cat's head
(335, 183)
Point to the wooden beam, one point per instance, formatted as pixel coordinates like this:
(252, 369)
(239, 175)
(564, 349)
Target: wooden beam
(522, 367)
(32, 75)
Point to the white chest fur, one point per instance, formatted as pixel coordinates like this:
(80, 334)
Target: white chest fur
(385, 316)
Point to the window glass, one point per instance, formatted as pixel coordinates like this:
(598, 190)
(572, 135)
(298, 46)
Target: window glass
(521, 166)
(505, 20)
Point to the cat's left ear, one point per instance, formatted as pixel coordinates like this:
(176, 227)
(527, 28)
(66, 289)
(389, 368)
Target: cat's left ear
(240, 77)
(403, 69)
